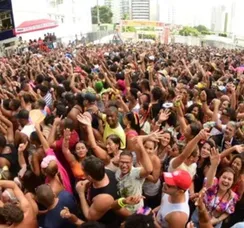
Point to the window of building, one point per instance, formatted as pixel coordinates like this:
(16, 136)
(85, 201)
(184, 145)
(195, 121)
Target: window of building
(59, 2)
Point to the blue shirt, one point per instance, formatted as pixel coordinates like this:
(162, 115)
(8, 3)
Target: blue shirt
(52, 218)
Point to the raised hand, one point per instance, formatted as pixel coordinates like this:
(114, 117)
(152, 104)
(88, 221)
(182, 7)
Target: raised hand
(203, 134)
(164, 115)
(203, 96)
(214, 157)
(57, 120)
(84, 119)
(239, 148)
(67, 134)
(22, 146)
(155, 136)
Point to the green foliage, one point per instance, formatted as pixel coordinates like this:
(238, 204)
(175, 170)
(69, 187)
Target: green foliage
(105, 15)
(189, 31)
(129, 29)
(207, 33)
(201, 28)
(147, 36)
(147, 29)
(223, 34)
(126, 17)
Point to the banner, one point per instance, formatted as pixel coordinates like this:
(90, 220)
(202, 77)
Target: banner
(138, 23)
(6, 20)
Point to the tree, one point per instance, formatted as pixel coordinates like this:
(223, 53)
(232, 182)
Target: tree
(126, 16)
(201, 28)
(189, 31)
(105, 15)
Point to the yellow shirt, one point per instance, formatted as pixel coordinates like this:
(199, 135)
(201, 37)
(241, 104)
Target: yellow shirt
(119, 131)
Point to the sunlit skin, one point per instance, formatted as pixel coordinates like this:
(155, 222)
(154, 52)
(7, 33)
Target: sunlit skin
(236, 165)
(195, 111)
(229, 132)
(165, 139)
(112, 148)
(149, 147)
(81, 150)
(125, 164)
(226, 181)
(205, 150)
(112, 118)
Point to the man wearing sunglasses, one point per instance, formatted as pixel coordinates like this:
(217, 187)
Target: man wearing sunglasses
(174, 209)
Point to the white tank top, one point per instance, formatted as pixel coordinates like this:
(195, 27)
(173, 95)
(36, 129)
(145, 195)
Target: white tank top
(151, 189)
(167, 208)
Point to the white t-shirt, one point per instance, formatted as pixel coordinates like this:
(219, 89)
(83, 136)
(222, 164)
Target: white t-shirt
(146, 127)
(191, 169)
(136, 108)
(215, 131)
(130, 185)
(28, 129)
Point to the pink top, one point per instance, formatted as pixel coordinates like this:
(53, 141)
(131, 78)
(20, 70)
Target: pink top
(62, 171)
(131, 133)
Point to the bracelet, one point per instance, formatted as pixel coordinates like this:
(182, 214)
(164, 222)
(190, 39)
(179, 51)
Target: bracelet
(204, 101)
(177, 104)
(120, 202)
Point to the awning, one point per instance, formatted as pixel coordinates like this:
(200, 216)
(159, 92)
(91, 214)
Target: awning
(35, 25)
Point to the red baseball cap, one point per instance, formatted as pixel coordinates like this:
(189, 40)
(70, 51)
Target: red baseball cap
(179, 178)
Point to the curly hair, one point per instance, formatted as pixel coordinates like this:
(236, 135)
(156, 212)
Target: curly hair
(11, 213)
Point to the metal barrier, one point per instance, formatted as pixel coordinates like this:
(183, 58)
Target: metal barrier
(86, 37)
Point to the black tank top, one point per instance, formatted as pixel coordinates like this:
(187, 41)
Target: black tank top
(13, 160)
(110, 219)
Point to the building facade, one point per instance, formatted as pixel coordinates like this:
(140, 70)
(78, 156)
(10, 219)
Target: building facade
(218, 18)
(140, 9)
(73, 17)
(134, 9)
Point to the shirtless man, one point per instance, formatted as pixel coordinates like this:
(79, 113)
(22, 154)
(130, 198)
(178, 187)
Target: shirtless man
(22, 215)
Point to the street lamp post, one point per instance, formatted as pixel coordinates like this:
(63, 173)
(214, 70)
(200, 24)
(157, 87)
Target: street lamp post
(98, 15)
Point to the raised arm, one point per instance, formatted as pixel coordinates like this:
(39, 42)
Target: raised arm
(99, 152)
(65, 147)
(10, 130)
(215, 116)
(180, 116)
(215, 159)
(51, 138)
(21, 157)
(42, 138)
(205, 108)
(143, 158)
(233, 97)
(202, 135)
(24, 203)
(238, 148)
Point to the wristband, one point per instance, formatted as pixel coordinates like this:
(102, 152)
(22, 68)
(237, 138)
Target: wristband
(177, 104)
(120, 202)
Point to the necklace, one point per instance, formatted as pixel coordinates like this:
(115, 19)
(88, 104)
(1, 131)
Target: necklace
(215, 200)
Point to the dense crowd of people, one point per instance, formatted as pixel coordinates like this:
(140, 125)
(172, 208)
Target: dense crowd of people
(46, 44)
(131, 135)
